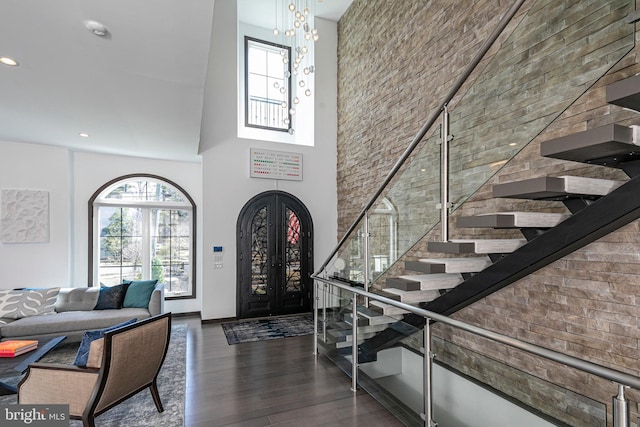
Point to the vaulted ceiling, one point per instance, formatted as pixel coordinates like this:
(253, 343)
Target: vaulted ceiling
(136, 91)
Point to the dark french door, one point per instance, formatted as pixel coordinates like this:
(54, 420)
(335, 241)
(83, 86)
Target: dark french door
(275, 256)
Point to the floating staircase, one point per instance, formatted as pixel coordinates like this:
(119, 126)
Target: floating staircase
(597, 207)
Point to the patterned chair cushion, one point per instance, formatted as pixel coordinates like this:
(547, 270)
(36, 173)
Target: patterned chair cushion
(16, 304)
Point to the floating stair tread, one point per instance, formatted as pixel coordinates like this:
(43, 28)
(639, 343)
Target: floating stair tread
(459, 265)
(625, 93)
(367, 312)
(387, 309)
(403, 283)
(363, 332)
(556, 188)
(344, 344)
(371, 317)
(435, 281)
(480, 246)
(609, 145)
(412, 297)
(425, 267)
(512, 220)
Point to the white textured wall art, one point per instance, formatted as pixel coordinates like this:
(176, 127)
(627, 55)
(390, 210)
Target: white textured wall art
(24, 216)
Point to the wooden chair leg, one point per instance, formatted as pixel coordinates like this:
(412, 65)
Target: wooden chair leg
(88, 421)
(156, 396)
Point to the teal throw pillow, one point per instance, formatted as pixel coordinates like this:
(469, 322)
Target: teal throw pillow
(89, 336)
(139, 293)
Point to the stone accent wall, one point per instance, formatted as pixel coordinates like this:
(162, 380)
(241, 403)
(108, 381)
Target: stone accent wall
(396, 60)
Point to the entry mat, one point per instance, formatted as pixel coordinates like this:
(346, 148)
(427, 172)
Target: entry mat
(268, 328)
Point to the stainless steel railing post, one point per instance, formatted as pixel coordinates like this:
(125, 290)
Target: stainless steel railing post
(620, 409)
(325, 299)
(315, 316)
(354, 345)
(427, 377)
(444, 175)
(366, 257)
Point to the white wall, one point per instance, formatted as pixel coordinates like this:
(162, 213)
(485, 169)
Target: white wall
(37, 167)
(220, 185)
(226, 182)
(71, 178)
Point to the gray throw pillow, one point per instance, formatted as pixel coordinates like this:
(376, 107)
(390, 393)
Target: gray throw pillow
(27, 302)
(77, 299)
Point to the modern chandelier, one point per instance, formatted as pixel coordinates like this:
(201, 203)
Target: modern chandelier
(296, 28)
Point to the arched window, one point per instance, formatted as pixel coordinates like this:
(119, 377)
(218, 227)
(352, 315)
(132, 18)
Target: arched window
(143, 227)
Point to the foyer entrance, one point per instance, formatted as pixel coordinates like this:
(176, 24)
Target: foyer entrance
(275, 256)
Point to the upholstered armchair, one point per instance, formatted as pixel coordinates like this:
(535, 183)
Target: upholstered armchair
(123, 363)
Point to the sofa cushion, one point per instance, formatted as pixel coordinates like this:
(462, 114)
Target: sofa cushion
(76, 299)
(69, 322)
(111, 297)
(90, 336)
(16, 304)
(138, 294)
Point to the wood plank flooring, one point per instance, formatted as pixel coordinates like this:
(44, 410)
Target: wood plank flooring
(269, 383)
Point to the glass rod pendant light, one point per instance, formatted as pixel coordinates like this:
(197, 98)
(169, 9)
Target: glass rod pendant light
(295, 21)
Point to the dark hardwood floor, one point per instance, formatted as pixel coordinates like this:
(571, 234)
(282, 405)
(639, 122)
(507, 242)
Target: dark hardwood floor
(269, 383)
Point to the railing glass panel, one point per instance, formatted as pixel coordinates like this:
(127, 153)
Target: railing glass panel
(535, 75)
(348, 263)
(468, 388)
(539, 71)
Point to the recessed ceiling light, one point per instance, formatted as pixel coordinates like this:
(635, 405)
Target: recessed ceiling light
(513, 144)
(84, 135)
(8, 61)
(97, 28)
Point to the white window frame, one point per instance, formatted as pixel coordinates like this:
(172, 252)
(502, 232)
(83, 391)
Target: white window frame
(303, 121)
(100, 200)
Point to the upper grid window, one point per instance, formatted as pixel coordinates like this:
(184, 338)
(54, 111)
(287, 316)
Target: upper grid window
(267, 86)
(143, 229)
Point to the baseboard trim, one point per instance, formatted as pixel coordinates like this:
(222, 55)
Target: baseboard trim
(187, 314)
(224, 319)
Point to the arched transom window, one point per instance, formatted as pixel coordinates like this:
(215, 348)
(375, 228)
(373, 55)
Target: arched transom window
(143, 228)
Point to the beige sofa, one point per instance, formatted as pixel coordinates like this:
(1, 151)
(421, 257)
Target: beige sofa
(74, 313)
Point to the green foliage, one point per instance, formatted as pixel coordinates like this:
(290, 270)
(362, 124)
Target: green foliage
(157, 272)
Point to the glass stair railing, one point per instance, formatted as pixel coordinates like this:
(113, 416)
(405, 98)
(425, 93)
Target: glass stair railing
(557, 50)
(457, 386)
(552, 55)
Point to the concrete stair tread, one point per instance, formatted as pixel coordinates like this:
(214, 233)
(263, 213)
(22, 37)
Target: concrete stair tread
(476, 246)
(412, 297)
(387, 309)
(611, 145)
(370, 317)
(512, 220)
(435, 281)
(403, 283)
(458, 265)
(346, 335)
(556, 188)
(625, 93)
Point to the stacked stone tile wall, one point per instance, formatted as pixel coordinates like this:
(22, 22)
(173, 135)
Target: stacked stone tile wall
(396, 60)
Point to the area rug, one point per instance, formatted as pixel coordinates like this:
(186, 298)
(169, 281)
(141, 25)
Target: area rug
(268, 328)
(138, 411)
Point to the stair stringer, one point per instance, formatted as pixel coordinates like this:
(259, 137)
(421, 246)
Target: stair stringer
(609, 213)
(595, 220)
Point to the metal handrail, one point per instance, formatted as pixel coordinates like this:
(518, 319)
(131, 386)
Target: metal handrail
(583, 365)
(504, 21)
